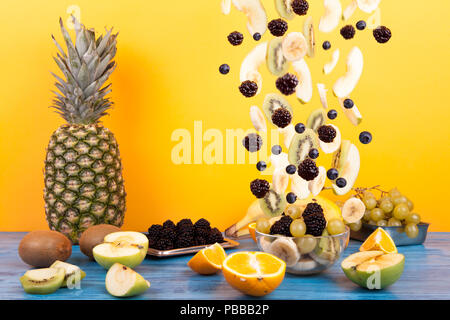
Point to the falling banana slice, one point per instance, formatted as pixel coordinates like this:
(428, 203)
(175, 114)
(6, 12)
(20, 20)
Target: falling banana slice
(323, 95)
(304, 88)
(353, 210)
(349, 10)
(330, 19)
(328, 67)
(225, 5)
(257, 118)
(251, 63)
(316, 185)
(286, 250)
(280, 180)
(256, 15)
(294, 46)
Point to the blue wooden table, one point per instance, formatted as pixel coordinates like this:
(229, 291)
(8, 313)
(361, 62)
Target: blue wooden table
(426, 276)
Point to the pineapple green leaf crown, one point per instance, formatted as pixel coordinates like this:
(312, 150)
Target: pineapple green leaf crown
(86, 67)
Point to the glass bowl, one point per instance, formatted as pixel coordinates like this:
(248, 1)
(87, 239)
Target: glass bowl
(305, 255)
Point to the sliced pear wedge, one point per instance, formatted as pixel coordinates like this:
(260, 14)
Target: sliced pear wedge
(352, 114)
(304, 87)
(329, 66)
(256, 15)
(122, 281)
(308, 32)
(323, 95)
(225, 6)
(347, 161)
(349, 10)
(330, 19)
(345, 84)
(251, 63)
(330, 147)
(368, 6)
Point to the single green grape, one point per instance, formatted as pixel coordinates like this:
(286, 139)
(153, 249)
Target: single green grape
(306, 244)
(398, 200)
(294, 212)
(394, 193)
(401, 211)
(386, 197)
(392, 222)
(335, 226)
(370, 203)
(356, 226)
(413, 218)
(411, 230)
(410, 205)
(366, 216)
(376, 214)
(263, 225)
(386, 205)
(382, 223)
(367, 195)
(298, 228)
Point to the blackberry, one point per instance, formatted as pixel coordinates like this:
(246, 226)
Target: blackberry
(277, 27)
(168, 233)
(300, 7)
(282, 226)
(326, 45)
(184, 223)
(164, 244)
(365, 137)
(326, 133)
(332, 174)
(291, 197)
(287, 84)
(184, 241)
(361, 25)
(382, 34)
(312, 208)
(200, 240)
(291, 169)
(300, 128)
(224, 68)
(252, 142)
(308, 170)
(215, 236)
(276, 149)
(235, 38)
(315, 223)
(169, 224)
(154, 231)
(259, 188)
(257, 36)
(332, 114)
(348, 32)
(248, 88)
(202, 223)
(281, 117)
(261, 166)
(313, 153)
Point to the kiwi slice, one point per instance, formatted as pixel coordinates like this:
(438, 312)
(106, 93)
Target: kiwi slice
(316, 119)
(272, 102)
(300, 146)
(42, 281)
(276, 62)
(284, 8)
(73, 273)
(273, 203)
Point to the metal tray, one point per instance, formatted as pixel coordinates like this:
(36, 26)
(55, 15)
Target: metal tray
(181, 251)
(397, 234)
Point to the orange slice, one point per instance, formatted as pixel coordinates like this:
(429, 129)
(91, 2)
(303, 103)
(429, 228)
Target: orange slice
(254, 273)
(251, 229)
(379, 240)
(208, 260)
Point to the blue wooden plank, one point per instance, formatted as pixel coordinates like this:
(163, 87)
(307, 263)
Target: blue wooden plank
(426, 276)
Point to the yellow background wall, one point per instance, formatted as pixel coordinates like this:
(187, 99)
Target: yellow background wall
(168, 56)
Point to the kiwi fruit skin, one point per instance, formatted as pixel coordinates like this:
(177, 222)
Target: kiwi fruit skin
(276, 62)
(46, 286)
(94, 236)
(267, 208)
(300, 146)
(273, 101)
(316, 119)
(43, 247)
(67, 274)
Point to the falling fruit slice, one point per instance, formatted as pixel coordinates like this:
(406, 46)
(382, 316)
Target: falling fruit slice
(284, 8)
(347, 161)
(330, 19)
(122, 281)
(349, 10)
(308, 32)
(208, 260)
(304, 88)
(277, 63)
(257, 118)
(315, 186)
(374, 20)
(329, 66)
(294, 46)
(254, 273)
(280, 180)
(300, 187)
(288, 133)
(379, 240)
(345, 84)
(353, 210)
(352, 114)
(256, 15)
(251, 63)
(225, 5)
(73, 273)
(330, 147)
(368, 6)
(322, 95)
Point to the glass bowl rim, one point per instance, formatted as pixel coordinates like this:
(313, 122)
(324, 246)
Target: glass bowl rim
(339, 235)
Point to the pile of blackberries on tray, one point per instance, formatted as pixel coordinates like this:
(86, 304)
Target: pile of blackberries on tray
(184, 234)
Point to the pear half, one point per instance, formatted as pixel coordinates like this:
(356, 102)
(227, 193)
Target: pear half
(73, 273)
(122, 281)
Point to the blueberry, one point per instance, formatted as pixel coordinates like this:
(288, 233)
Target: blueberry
(299, 128)
(290, 169)
(332, 174)
(224, 68)
(326, 45)
(341, 182)
(291, 197)
(261, 166)
(257, 36)
(348, 103)
(361, 25)
(313, 153)
(276, 149)
(332, 114)
(365, 137)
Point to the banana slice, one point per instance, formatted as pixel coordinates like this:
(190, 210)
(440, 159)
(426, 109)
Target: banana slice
(256, 15)
(286, 250)
(322, 95)
(353, 210)
(288, 133)
(374, 20)
(251, 63)
(352, 114)
(330, 147)
(300, 187)
(368, 6)
(306, 265)
(345, 84)
(304, 88)
(264, 243)
(257, 118)
(316, 185)
(349, 10)
(330, 19)
(225, 5)
(328, 67)
(280, 180)
(294, 46)
(308, 32)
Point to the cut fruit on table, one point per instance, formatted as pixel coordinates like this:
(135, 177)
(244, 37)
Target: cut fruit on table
(373, 269)
(42, 281)
(208, 260)
(122, 281)
(254, 273)
(73, 273)
(379, 240)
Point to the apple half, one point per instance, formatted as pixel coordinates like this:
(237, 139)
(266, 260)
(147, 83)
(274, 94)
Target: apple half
(122, 281)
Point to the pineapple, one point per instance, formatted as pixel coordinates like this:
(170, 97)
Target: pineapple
(83, 171)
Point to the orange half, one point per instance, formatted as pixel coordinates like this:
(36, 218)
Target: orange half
(208, 260)
(379, 240)
(251, 229)
(254, 273)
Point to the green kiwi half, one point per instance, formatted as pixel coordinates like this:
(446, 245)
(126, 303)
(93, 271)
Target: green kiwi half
(316, 119)
(300, 146)
(276, 62)
(42, 281)
(273, 203)
(272, 102)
